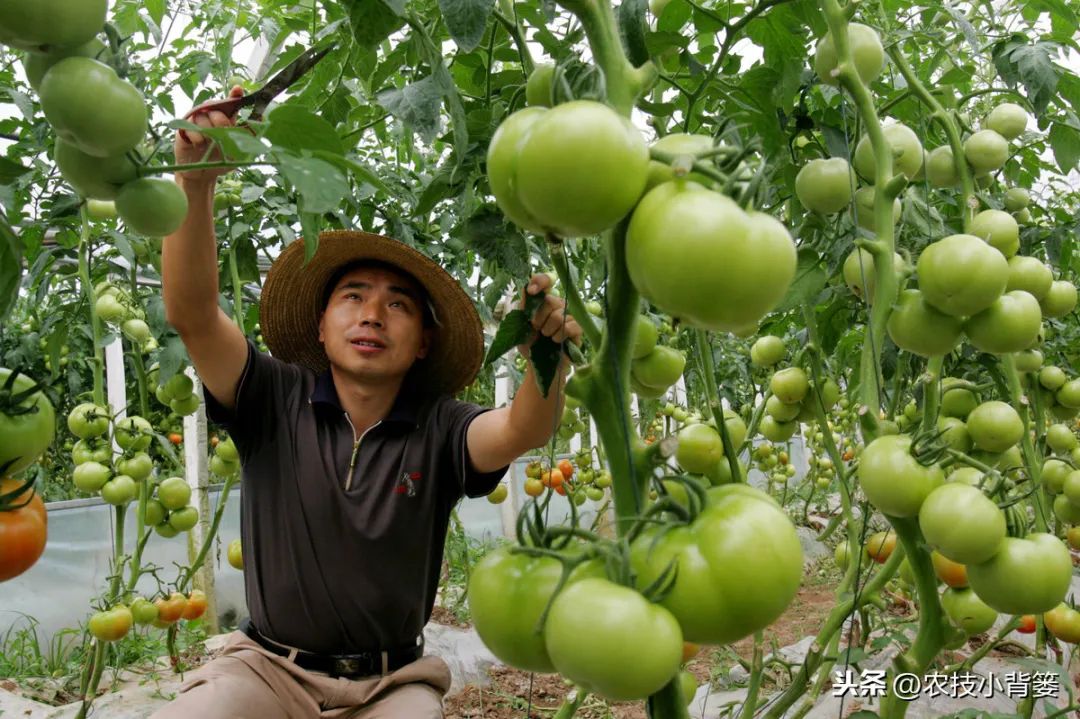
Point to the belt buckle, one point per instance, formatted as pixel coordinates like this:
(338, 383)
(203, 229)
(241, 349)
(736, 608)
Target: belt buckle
(347, 666)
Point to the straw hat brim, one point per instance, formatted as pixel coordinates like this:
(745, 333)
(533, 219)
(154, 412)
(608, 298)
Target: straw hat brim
(292, 302)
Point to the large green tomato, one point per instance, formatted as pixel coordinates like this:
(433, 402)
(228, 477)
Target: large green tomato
(917, 326)
(1010, 324)
(739, 565)
(941, 167)
(864, 209)
(964, 609)
(700, 257)
(866, 50)
(1029, 274)
(93, 450)
(700, 448)
(767, 351)
(612, 641)
(1065, 510)
(72, 94)
(1054, 475)
(906, 148)
(790, 385)
(824, 186)
(659, 369)
(88, 420)
(1025, 576)
(1060, 299)
(995, 426)
(781, 411)
(138, 466)
(999, 229)
(962, 523)
(41, 25)
(152, 206)
(133, 433)
(986, 151)
(1016, 199)
(957, 401)
(1052, 377)
(174, 493)
(954, 433)
(859, 272)
(501, 160)
(645, 336)
(776, 431)
(27, 423)
(90, 476)
(580, 168)
(961, 275)
(119, 490)
(1007, 119)
(99, 178)
(1064, 623)
(538, 86)
(678, 143)
(37, 64)
(892, 479)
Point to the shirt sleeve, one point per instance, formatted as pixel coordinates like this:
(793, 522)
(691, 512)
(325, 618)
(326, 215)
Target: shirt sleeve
(260, 397)
(455, 420)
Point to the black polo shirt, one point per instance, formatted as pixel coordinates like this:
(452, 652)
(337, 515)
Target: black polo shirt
(338, 561)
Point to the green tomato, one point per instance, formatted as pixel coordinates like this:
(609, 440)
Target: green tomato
(223, 468)
(700, 257)
(892, 479)
(700, 448)
(27, 423)
(166, 530)
(954, 433)
(958, 402)
(589, 627)
(538, 86)
(1065, 510)
(1023, 216)
(777, 431)
(1016, 199)
(1030, 275)
(155, 513)
(1064, 623)
(37, 64)
(1052, 377)
(112, 625)
(184, 406)
(790, 385)
(152, 206)
(40, 25)
(1060, 299)
(1028, 360)
(998, 229)
(986, 151)
(580, 168)
(138, 466)
(1007, 119)
(110, 310)
(645, 337)
(1053, 475)
(964, 609)
(88, 420)
(864, 209)
(906, 148)
(866, 51)
(136, 330)
(659, 369)
(226, 449)
(824, 186)
(174, 493)
(1060, 438)
(995, 426)
(961, 522)
(962, 275)
(183, 519)
(941, 167)
(859, 272)
(144, 611)
(781, 411)
(679, 144)
(501, 161)
(767, 351)
(917, 326)
(92, 450)
(1025, 576)
(72, 93)
(842, 555)
(119, 490)
(1010, 324)
(741, 540)
(91, 476)
(133, 433)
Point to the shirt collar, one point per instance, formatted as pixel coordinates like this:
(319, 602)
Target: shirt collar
(404, 410)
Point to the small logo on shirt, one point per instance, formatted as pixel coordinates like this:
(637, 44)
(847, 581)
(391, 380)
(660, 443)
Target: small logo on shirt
(406, 484)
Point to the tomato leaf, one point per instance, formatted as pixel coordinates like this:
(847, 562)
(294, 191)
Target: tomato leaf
(545, 355)
(810, 279)
(372, 21)
(466, 19)
(11, 170)
(297, 128)
(488, 234)
(633, 28)
(11, 267)
(1065, 141)
(514, 330)
(321, 185)
(417, 105)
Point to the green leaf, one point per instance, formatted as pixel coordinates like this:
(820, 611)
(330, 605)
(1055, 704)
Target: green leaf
(1065, 141)
(417, 105)
(490, 236)
(466, 19)
(156, 9)
(810, 279)
(297, 128)
(1029, 65)
(633, 27)
(545, 355)
(372, 21)
(11, 170)
(514, 330)
(321, 186)
(172, 356)
(11, 267)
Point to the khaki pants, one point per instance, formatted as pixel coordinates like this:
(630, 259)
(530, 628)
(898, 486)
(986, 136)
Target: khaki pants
(248, 682)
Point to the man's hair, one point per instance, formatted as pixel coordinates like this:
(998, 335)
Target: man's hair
(423, 300)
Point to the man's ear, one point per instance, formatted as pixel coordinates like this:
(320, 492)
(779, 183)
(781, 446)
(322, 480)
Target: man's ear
(425, 343)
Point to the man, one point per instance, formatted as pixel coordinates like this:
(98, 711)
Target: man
(353, 456)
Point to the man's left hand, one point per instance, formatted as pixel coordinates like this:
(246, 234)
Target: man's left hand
(551, 318)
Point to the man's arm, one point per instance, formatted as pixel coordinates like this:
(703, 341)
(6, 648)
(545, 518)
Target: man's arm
(189, 274)
(497, 438)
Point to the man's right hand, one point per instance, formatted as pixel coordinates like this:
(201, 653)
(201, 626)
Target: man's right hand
(191, 146)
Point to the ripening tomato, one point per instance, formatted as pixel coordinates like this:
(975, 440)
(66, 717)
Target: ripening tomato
(1027, 624)
(112, 625)
(195, 606)
(23, 530)
(1064, 623)
(880, 546)
(952, 573)
(235, 554)
(171, 609)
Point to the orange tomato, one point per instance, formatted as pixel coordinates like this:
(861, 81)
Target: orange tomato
(214, 441)
(557, 478)
(23, 531)
(545, 478)
(952, 573)
(566, 468)
(176, 437)
(880, 546)
(689, 651)
(1027, 624)
(171, 609)
(561, 489)
(196, 605)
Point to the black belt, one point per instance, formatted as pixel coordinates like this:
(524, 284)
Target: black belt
(362, 664)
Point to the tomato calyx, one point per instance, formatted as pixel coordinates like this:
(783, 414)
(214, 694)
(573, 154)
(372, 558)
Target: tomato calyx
(13, 402)
(9, 500)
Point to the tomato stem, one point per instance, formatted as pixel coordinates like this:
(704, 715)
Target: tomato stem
(573, 297)
(712, 393)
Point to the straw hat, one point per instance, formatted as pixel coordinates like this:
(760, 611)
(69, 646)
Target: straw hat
(292, 302)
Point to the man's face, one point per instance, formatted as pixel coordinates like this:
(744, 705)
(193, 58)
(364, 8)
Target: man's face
(373, 326)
